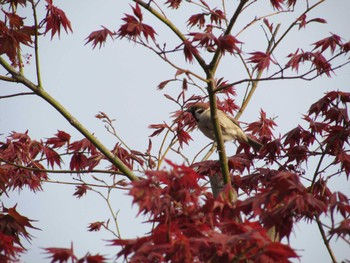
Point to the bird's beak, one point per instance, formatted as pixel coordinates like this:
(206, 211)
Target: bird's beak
(190, 109)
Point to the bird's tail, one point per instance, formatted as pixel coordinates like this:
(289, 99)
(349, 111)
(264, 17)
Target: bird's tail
(255, 144)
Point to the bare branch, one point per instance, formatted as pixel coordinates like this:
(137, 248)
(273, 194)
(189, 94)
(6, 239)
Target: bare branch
(70, 118)
(16, 95)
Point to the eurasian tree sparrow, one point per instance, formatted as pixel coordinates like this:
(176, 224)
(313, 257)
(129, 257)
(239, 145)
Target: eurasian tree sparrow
(229, 127)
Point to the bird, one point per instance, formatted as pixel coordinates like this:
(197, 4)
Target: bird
(230, 128)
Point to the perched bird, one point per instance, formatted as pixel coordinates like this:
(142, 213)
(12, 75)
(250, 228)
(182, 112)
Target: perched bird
(229, 126)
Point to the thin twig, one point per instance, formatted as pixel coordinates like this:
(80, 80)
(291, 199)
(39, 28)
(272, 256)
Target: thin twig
(325, 240)
(36, 45)
(34, 169)
(84, 183)
(172, 27)
(255, 83)
(16, 95)
(8, 79)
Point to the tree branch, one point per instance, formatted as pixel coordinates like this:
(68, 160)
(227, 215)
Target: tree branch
(8, 79)
(36, 45)
(217, 56)
(171, 26)
(255, 83)
(325, 240)
(294, 23)
(16, 95)
(70, 118)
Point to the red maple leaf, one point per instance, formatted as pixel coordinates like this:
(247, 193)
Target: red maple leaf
(346, 47)
(228, 43)
(99, 37)
(330, 42)
(343, 229)
(297, 58)
(344, 159)
(197, 19)
(83, 145)
(55, 19)
(93, 259)
(78, 161)
(81, 190)
(15, 21)
(261, 59)
(95, 226)
(61, 255)
(52, 156)
(189, 50)
(159, 128)
(183, 136)
(134, 27)
(207, 39)
(10, 41)
(14, 224)
(263, 127)
(217, 16)
(174, 3)
(9, 251)
(277, 4)
(16, 2)
(61, 138)
(321, 64)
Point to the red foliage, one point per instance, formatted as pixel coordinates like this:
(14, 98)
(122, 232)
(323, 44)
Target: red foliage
(96, 226)
(61, 255)
(13, 226)
(81, 190)
(330, 42)
(99, 37)
(9, 252)
(190, 225)
(133, 27)
(318, 61)
(189, 51)
(228, 43)
(61, 138)
(55, 19)
(18, 166)
(93, 259)
(262, 128)
(12, 36)
(197, 19)
(174, 3)
(261, 59)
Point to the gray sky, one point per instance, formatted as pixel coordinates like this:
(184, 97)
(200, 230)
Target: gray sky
(121, 80)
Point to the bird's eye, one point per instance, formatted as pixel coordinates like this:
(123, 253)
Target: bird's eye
(199, 111)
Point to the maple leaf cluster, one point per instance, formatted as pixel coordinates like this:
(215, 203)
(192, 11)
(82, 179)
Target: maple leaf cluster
(13, 226)
(14, 31)
(134, 28)
(276, 188)
(62, 255)
(190, 225)
(22, 160)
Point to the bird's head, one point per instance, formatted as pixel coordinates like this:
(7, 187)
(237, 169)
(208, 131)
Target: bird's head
(197, 109)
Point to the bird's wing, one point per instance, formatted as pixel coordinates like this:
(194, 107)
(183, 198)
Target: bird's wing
(233, 120)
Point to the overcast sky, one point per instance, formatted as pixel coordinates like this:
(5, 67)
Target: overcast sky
(121, 80)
